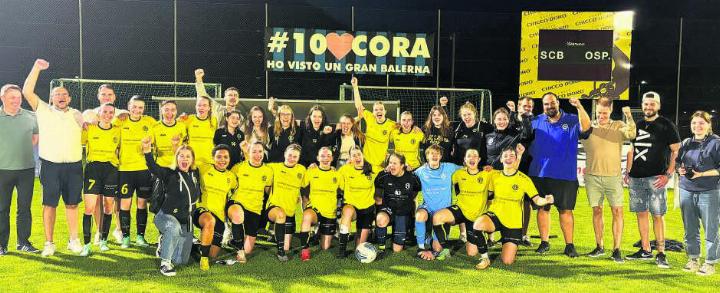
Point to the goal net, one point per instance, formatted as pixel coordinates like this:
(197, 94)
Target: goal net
(419, 101)
(84, 92)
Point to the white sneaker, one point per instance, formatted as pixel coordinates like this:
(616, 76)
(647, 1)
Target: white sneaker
(48, 250)
(96, 242)
(75, 246)
(118, 235)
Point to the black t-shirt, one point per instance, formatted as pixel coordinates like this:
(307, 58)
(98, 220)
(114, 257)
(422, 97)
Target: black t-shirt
(398, 193)
(435, 137)
(222, 136)
(279, 142)
(471, 138)
(651, 152)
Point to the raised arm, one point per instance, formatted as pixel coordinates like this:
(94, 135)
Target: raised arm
(582, 114)
(29, 86)
(272, 106)
(356, 96)
(199, 85)
(630, 130)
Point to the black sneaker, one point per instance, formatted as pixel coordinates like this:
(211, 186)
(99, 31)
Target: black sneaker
(640, 255)
(27, 247)
(167, 271)
(597, 252)
(570, 250)
(661, 261)
(3, 250)
(617, 256)
(543, 247)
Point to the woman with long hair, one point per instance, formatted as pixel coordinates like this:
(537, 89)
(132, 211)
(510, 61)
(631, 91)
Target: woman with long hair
(316, 133)
(438, 131)
(345, 138)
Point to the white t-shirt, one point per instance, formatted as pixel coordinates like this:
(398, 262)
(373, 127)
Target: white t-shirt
(60, 133)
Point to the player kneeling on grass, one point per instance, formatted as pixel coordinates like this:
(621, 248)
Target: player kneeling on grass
(358, 193)
(181, 185)
(245, 205)
(283, 202)
(506, 192)
(397, 189)
(215, 184)
(101, 141)
(324, 182)
(471, 184)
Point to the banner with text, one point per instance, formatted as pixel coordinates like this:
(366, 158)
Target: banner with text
(575, 54)
(338, 51)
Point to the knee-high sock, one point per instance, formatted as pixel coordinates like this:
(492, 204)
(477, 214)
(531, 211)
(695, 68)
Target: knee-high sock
(125, 223)
(305, 239)
(107, 220)
(441, 234)
(420, 234)
(280, 237)
(141, 221)
(480, 241)
(238, 232)
(87, 228)
(204, 250)
(381, 234)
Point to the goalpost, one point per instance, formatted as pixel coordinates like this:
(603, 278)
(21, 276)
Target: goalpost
(419, 100)
(84, 92)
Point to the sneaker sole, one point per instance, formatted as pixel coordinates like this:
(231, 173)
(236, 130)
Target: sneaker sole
(169, 274)
(595, 255)
(663, 266)
(632, 258)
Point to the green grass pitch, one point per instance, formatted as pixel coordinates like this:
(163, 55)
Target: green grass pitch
(136, 269)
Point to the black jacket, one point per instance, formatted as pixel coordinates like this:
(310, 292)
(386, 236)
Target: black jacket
(336, 143)
(179, 199)
(312, 141)
(471, 138)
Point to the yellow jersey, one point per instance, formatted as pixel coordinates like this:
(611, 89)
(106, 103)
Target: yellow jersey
(286, 187)
(324, 185)
(472, 198)
(200, 134)
(359, 189)
(377, 137)
(131, 135)
(215, 186)
(101, 145)
(408, 144)
(252, 182)
(162, 135)
(509, 191)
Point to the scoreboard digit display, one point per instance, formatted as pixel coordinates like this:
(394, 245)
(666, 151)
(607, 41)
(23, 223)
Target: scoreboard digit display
(581, 55)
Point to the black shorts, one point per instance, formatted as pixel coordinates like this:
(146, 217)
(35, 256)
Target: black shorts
(564, 192)
(251, 222)
(508, 235)
(460, 217)
(218, 230)
(326, 226)
(139, 182)
(101, 178)
(364, 218)
(61, 180)
(289, 221)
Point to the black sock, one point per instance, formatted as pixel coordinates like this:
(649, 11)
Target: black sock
(107, 220)
(141, 221)
(125, 223)
(305, 239)
(87, 228)
(440, 233)
(381, 234)
(280, 237)
(480, 241)
(204, 250)
(238, 233)
(342, 241)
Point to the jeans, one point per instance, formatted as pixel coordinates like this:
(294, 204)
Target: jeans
(702, 207)
(23, 181)
(644, 197)
(176, 239)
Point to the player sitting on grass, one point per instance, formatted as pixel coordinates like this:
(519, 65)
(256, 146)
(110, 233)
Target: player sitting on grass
(471, 184)
(506, 192)
(396, 189)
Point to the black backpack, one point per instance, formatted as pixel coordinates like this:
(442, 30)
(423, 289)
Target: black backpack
(157, 197)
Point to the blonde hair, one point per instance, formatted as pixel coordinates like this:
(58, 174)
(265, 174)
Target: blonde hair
(704, 116)
(184, 147)
(470, 107)
(277, 126)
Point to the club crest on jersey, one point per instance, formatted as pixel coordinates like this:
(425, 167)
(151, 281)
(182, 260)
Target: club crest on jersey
(334, 180)
(314, 140)
(290, 137)
(480, 180)
(565, 127)
(228, 181)
(369, 177)
(412, 141)
(115, 140)
(264, 177)
(384, 132)
(145, 128)
(299, 176)
(515, 187)
(491, 140)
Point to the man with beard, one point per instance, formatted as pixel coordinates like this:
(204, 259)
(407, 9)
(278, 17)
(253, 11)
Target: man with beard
(650, 163)
(554, 165)
(231, 96)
